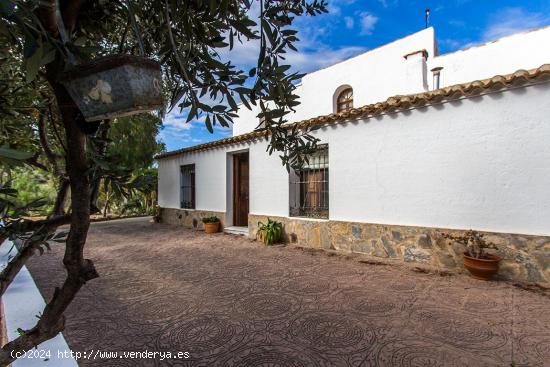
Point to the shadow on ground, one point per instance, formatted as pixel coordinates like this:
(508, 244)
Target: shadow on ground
(230, 301)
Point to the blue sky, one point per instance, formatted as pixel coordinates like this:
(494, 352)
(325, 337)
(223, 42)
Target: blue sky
(355, 26)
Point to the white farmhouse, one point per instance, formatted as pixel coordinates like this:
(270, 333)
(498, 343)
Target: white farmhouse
(413, 143)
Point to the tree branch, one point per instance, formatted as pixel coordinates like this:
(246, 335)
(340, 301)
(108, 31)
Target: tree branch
(46, 14)
(33, 161)
(61, 197)
(79, 270)
(14, 266)
(50, 155)
(103, 133)
(70, 11)
(55, 130)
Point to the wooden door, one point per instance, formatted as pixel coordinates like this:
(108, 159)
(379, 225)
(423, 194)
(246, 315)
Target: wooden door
(240, 189)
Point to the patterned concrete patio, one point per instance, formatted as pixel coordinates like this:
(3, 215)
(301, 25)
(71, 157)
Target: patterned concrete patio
(230, 301)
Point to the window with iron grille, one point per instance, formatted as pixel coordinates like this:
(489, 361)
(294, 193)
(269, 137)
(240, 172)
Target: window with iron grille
(344, 100)
(187, 174)
(309, 186)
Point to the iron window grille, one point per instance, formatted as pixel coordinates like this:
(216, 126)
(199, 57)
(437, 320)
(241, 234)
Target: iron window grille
(344, 101)
(309, 186)
(187, 174)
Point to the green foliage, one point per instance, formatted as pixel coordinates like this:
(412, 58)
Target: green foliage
(187, 37)
(134, 141)
(33, 185)
(12, 157)
(270, 232)
(11, 207)
(476, 244)
(13, 212)
(134, 206)
(122, 162)
(211, 219)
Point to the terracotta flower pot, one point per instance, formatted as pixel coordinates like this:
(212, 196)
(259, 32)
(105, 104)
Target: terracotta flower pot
(483, 269)
(211, 227)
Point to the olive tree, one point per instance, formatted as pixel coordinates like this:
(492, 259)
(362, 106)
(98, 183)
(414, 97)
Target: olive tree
(47, 37)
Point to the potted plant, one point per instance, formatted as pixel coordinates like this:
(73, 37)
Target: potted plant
(479, 263)
(211, 224)
(270, 232)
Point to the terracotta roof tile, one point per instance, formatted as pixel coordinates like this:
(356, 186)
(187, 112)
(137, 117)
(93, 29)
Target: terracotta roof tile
(391, 104)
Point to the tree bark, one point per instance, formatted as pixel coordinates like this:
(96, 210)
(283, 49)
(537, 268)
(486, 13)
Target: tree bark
(103, 134)
(61, 198)
(79, 270)
(14, 266)
(63, 183)
(50, 155)
(106, 205)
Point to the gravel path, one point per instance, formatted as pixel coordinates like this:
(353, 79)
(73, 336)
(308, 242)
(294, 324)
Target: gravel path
(228, 301)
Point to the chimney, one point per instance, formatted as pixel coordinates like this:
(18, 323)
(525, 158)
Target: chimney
(437, 77)
(416, 72)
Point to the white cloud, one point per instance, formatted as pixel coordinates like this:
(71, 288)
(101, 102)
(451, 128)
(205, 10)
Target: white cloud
(314, 53)
(508, 21)
(388, 3)
(368, 21)
(502, 23)
(321, 57)
(177, 119)
(349, 22)
(452, 44)
(184, 137)
(457, 23)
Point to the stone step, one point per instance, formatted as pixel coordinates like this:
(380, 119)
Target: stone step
(241, 231)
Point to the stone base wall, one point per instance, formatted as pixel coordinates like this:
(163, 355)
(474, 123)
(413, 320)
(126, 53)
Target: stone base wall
(525, 258)
(189, 218)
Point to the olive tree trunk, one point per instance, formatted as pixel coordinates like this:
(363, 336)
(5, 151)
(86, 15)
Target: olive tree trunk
(79, 270)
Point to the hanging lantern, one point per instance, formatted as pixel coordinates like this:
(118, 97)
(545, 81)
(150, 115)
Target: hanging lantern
(115, 86)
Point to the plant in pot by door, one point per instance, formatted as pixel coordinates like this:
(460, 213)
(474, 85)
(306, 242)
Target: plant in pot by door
(211, 224)
(270, 232)
(479, 263)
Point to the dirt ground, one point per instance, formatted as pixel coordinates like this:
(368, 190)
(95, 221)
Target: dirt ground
(229, 301)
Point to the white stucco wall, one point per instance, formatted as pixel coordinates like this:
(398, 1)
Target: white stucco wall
(479, 163)
(268, 182)
(210, 177)
(374, 76)
(384, 72)
(213, 170)
(525, 50)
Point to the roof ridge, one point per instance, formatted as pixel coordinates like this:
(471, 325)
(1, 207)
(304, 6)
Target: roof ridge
(393, 103)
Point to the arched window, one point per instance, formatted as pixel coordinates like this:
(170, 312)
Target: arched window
(344, 101)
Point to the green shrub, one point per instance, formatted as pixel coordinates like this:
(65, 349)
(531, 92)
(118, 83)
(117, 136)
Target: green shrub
(211, 219)
(269, 232)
